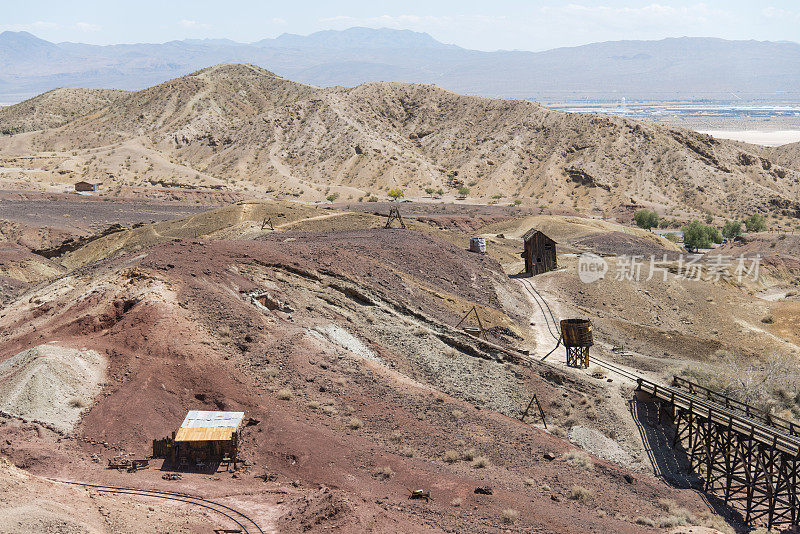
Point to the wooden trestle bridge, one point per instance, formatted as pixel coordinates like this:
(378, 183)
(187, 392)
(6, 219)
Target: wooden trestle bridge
(745, 455)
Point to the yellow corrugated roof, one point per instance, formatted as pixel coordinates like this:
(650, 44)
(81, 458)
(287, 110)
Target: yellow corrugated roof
(219, 433)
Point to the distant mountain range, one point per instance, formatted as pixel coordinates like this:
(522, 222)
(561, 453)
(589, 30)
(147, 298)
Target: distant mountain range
(669, 69)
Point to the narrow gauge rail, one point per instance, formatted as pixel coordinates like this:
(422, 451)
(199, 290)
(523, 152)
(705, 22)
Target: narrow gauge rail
(554, 330)
(248, 525)
(787, 426)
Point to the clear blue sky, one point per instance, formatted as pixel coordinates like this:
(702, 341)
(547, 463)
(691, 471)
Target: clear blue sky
(485, 25)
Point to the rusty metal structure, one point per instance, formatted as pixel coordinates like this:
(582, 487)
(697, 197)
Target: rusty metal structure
(539, 253)
(577, 337)
(748, 457)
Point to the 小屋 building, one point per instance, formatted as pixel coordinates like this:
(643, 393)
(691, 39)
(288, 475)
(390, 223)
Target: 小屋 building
(207, 438)
(82, 187)
(539, 253)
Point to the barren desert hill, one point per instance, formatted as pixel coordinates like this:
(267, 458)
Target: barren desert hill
(788, 155)
(211, 100)
(54, 108)
(251, 129)
(352, 373)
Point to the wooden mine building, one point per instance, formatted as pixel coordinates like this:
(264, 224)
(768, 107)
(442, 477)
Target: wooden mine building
(539, 253)
(204, 439)
(81, 187)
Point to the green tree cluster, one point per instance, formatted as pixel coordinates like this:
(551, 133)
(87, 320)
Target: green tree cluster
(646, 219)
(731, 229)
(698, 235)
(396, 193)
(756, 223)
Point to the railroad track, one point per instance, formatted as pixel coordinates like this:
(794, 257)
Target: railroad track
(245, 523)
(549, 318)
(553, 326)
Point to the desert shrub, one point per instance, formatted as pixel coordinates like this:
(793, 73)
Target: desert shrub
(530, 482)
(480, 462)
(451, 456)
(313, 405)
(354, 423)
(510, 516)
(463, 191)
(468, 455)
(771, 384)
(456, 502)
(644, 521)
(671, 521)
(284, 394)
(580, 494)
(372, 199)
(396, 437)
(646, 219)
(672, 237)
(578, 459)
(270, 372)
(407, 451)
(756, 223)
(328, 410)
(677, 515)
(384, 473)
(75, 402)
(332, 197)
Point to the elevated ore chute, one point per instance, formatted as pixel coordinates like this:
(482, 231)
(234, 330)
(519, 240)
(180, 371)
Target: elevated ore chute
(577, 337)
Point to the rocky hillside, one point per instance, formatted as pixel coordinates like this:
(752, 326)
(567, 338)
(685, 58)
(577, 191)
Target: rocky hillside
(54, 108)
(248, 127)
(788, 155)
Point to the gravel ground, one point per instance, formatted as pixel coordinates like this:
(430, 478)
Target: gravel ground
(51, 384)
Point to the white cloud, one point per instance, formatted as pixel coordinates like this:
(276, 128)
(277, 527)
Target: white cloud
(193, 24)
(780, 14)
(86, 27)
(652, 16)
(544, 27)
(409, 21)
